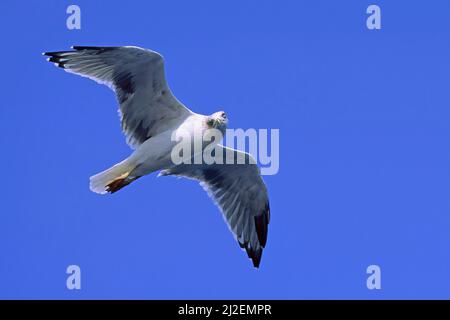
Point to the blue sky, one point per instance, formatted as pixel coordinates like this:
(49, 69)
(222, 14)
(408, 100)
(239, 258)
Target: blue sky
(364, 151)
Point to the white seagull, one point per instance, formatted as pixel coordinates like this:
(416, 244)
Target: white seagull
(149, 115)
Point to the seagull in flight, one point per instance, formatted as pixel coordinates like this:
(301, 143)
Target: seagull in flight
(149, 115)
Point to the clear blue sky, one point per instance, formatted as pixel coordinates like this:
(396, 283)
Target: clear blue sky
(364, 155)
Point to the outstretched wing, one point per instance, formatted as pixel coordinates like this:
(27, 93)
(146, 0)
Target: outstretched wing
(147, 106)
(240, 193)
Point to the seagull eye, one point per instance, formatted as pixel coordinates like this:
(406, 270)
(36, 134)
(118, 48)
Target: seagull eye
(224, 115)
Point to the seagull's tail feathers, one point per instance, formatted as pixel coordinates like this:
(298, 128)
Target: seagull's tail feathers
(113, 179)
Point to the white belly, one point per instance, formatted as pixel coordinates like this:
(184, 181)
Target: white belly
(156, 153)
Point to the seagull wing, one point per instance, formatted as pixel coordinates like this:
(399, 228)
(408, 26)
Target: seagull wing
(239, 192)
(147, 106)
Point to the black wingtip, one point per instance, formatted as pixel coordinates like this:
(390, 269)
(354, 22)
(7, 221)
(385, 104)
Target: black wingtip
(78, 48)
(262, 223)
(55, 53)
(55, 57)
(94, 48)
(261, 226)
(255, 256)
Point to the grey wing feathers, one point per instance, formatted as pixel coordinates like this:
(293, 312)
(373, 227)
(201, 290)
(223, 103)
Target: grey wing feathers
(241, 194)
(147, 106)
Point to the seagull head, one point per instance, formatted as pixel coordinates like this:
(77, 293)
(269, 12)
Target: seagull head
(218, 120)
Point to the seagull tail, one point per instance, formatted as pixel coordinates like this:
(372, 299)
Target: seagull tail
(112, 179)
